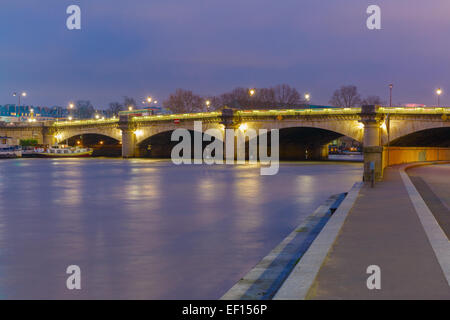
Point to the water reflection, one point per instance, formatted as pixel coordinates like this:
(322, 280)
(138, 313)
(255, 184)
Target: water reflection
(148, 229)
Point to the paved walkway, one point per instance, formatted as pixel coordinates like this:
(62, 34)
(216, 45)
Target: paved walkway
(383, 229)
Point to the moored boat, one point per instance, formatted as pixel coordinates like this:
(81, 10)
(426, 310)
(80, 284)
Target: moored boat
(65, 152)
(31, 152)
(8, 150)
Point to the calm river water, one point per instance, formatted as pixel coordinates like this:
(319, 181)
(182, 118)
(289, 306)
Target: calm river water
(147, 229)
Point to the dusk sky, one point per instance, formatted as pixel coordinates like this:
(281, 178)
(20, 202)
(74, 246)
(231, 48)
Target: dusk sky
(141, 47)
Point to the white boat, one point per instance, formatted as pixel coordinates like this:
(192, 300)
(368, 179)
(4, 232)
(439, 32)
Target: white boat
(31, 152)
(8, 150)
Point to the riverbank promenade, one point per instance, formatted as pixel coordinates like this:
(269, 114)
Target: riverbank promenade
(401, 225)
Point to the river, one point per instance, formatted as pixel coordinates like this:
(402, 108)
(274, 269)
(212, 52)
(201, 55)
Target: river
(147, 229)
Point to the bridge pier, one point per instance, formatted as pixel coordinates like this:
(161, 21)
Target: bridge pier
(129, 147)
(48, 137)
(373, 151)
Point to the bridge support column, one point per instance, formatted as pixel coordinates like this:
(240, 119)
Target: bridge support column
(128, 138)
(48, 137)
(128, 144)
(373, 151)
(229, 122)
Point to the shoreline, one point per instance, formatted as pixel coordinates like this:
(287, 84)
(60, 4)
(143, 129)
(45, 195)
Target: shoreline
(264, 280)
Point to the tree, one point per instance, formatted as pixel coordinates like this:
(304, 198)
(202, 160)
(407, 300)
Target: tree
(237, 98)
(265, 98)
(286, 96)
(215, 103)
(184, 101)
(372, 100)
(346, 96)
(280, 96)
(115, 108)
(129, 102)
(84, 109)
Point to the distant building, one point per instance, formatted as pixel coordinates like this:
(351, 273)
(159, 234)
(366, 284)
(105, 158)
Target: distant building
(14, 113)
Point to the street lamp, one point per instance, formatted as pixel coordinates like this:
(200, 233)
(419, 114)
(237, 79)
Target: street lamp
(388, 124)
(23, 94)
(439, 92)
(207, 105)
(71, 106)
(390, 94)
(307, 97)
(251, 93)
(130, 108)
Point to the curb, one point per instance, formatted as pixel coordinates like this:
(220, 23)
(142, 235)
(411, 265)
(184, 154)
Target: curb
(436, 236)
(263, 281)
(297, 285)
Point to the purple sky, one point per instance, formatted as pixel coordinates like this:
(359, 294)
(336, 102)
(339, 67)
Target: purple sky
(141, 47)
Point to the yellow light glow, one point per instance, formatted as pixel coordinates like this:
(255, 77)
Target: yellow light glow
(97, 116)
(208, 102)
(439, 91)
(139, 133)
(252, 92)
(130, 108)
(383, 126)
(70, 118)
(243, 127)
(149, 99)
(307, 96)
(360, 125)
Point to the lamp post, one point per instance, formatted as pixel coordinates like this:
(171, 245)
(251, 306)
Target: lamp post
(19, 95)
(390, 94)
(207, 102)
(389, 122)
(71, 106)
(439, 92)
(251, 93)
(307, 98)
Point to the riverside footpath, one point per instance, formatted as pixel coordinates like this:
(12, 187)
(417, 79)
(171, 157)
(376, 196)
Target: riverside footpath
(401, 226)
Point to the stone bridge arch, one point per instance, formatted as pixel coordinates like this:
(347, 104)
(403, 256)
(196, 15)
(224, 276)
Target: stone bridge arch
(401, 126)
(144, 132)
(350, 127)
(62, 133)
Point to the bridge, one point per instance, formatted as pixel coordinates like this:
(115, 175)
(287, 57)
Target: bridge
(415, 134)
